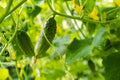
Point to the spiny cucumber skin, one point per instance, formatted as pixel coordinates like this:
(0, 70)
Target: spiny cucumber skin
(49, 31)
(25, 43)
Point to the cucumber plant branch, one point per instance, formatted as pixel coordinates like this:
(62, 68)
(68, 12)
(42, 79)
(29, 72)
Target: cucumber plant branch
(16, 24)
(6, 11)
(76, 23)
(18, 5)
(84, 19)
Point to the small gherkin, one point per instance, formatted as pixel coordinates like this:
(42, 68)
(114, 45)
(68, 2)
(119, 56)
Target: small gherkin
(19, 52)
(25, 43)
(46, 36)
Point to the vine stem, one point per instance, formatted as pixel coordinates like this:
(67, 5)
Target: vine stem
(75, 22)
(51, 44)
(84, 19)
(7, 63)
(2, 51)
(6, 11)
(18, 5)
(16, 24)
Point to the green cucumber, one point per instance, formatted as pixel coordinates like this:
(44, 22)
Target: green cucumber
(46, 35)
(16, 48)
(25, 43)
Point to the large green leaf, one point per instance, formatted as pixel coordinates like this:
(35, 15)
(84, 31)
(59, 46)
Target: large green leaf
(77, 49)
(60, 43)
(112, 66)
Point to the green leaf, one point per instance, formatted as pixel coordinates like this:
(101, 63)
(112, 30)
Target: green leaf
(111, 12)
(99, 37)
(53, 74)
(91, 27)
(2, 11)
(60, 43)
(33, 11)
(52, 69)
(89, 5)
(106, 9)
(25, 26)
(37, 1)
(116, 45)
(112, 67)
(67, 0)
(77, 49)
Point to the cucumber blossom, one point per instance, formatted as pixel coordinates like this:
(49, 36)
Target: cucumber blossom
(46, 37)
(25, 43)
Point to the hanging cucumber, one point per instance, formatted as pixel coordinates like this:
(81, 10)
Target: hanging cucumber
(25, 43)
(18, 51)
(46, 37)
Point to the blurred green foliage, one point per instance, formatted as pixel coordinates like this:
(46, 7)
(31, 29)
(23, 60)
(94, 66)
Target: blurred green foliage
(86, 45)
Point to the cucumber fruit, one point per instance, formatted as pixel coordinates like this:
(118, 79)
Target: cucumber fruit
(16, 48)
(24, 42)
(46, 37)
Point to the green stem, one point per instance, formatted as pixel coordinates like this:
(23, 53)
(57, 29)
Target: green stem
(78, 18)
(25, 74)
(6, 11)
(18, 5)
(57, 13)
(7, 63)
(2, 51)
(115, 9)
(76, 23)
(17, 71)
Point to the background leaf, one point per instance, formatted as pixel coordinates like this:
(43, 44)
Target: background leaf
(112, 69)
(78, 49)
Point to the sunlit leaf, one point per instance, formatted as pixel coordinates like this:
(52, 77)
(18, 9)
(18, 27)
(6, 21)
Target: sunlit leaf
(2, 11)
(117, 2)
(4, 73)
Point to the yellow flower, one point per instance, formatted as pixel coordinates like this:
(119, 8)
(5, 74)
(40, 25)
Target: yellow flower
(78, 8)
(94, 14)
